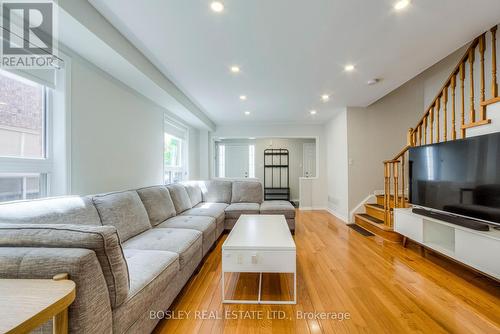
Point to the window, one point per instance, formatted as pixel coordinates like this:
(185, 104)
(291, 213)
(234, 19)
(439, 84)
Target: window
(251, 161)
(24, 161)
(222, 160)
(22, 117)
(175, 152)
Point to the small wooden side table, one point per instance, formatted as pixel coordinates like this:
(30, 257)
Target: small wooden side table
(26, 304)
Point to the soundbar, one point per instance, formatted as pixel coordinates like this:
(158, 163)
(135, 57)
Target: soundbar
(452, 219)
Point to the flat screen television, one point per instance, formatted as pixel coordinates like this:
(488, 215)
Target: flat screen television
(460, 177)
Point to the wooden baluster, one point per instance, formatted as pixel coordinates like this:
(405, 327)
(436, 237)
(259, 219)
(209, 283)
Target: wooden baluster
(481, 69)
(420, 134)
(403, 181)
(453, 86)
(462, 87)
(410, 137)
(438, 106)
(445, 113)
(425, 129)
(387, 191)
(432, 125)
(494, 85)
(471, 75)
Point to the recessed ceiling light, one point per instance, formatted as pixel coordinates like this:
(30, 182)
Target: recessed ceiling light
(325, 97)
(313, 112)
(235, 69)
(349, 68)
(243, 97)
(401, 4)
(251, 138)
(3, 103)
(217, 6)
(247, 113)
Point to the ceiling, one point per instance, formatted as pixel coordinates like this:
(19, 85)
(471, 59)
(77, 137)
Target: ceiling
(291, 52)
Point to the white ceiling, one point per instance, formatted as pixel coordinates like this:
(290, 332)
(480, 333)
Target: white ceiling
(290, 52)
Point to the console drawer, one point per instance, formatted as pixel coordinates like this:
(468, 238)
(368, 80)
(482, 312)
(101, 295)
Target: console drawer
(258, 261)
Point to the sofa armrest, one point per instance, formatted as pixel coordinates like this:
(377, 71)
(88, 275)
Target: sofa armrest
(91, 310)
(103, 240)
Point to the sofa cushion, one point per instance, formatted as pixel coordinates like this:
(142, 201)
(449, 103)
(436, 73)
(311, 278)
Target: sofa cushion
(102, 240)
(234, 210)
(57, 210)
(194, 191)
(217, 191)
(246, 192)
(180, 197)
(186, 243)
(206, 225)
(123, 210)
(158, 203)
(146, 265)
(215, 210)
(153, 278)
(278, 208)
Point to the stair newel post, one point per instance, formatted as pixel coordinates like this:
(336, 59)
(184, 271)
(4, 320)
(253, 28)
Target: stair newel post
(387, 190)
(445, 113)
(494, 84)
(453, 86)
(481, 69)
(462, 90)
(395, 174)
(471, 80)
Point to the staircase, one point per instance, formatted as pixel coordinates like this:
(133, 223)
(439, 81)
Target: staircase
(456, 108)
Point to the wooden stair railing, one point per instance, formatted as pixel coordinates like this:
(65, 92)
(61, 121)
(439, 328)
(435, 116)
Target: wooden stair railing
(435, 125)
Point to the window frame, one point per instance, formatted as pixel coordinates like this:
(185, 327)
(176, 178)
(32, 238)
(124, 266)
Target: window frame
(54, 167)
(35, 165)
(184, 140)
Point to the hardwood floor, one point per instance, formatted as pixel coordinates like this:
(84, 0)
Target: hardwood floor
(383, 287)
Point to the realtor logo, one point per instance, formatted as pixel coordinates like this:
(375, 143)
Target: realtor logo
(28, 34)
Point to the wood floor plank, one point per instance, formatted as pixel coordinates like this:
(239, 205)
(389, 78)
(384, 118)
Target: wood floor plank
(384, 287)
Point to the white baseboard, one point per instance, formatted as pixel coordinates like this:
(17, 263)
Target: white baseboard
(337, 215)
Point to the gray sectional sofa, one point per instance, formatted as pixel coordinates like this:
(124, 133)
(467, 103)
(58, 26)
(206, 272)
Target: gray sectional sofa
(129, 252)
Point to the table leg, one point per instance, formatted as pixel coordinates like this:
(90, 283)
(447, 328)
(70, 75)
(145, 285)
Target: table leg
(223, 297)
(260, 287)
(60, 323)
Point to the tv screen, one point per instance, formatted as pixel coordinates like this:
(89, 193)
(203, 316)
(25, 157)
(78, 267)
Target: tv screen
(460, 177)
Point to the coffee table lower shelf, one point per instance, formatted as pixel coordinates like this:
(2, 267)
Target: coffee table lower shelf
(259, 299)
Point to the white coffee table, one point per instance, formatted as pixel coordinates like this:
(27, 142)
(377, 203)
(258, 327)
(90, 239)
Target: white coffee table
(259, 244)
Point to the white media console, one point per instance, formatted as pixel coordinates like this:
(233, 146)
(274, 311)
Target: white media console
(477, 249)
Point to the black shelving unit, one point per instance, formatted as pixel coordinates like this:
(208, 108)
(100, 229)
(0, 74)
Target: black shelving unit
(276, 174)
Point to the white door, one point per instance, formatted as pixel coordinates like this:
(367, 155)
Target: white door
(309, 159)
(236, 161)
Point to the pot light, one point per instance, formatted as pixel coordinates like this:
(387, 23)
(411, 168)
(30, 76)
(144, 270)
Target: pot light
(247, 113)
(3, 103)
(402, 4)
(217, 6)
(325, 97)
(243, 97)
(235, 69)
(349, 68)
(313, 112)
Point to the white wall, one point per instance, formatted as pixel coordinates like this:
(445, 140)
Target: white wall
(295, 148)
(336, 139)
(117, 134)
(319, 184)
